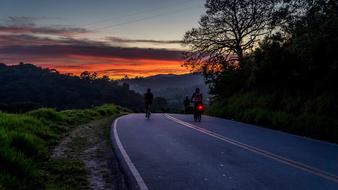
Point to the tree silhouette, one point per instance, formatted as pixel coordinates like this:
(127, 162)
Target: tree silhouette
(228, 30)
(88, 76)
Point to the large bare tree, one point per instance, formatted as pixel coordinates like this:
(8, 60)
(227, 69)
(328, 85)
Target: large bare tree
(227, 31)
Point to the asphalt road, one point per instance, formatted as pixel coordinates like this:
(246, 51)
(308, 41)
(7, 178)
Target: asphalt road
(171, 151)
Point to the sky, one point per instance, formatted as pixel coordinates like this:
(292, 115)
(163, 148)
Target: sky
(110, 37)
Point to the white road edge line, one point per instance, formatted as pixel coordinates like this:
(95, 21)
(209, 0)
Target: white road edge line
(295, 164)
(132, 168)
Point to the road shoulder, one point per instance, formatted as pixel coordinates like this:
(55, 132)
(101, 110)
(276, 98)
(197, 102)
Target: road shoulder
(134, 179)
(88, 152)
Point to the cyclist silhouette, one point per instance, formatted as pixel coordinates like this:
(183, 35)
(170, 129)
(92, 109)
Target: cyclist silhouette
(197, 97)
(148, 101)
(186, 104)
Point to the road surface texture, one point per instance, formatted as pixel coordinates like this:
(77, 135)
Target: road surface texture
(171, 151)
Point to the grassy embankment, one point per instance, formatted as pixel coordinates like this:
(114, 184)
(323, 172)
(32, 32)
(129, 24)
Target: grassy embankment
(26, 141)
(311, 117)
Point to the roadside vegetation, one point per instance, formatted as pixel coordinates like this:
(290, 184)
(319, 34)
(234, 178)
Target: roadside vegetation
(296, 114)
(273, 64)
(26, 142)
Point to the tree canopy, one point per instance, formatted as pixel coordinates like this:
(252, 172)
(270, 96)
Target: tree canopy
(227, 31)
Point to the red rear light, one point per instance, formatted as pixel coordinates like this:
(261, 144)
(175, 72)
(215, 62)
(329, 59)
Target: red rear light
(200, 107)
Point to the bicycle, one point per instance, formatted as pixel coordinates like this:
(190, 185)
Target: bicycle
(198, 110)
(148, 113)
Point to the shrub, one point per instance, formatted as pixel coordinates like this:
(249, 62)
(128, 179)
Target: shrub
(17, 171)
(28, 144)
(73, 174)
(48, 115)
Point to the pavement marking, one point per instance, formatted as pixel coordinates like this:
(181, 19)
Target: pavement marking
(295, 164)
(132, 168)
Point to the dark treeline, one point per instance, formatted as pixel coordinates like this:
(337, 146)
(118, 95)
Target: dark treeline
(286, 78)
(26, 87)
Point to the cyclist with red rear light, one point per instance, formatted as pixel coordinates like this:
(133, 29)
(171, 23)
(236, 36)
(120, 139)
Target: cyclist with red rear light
(197, 99)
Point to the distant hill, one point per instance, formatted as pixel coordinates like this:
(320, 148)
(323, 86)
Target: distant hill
(172, 87)
(25, 86)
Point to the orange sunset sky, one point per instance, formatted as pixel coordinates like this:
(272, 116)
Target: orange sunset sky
(109, 37)
(118, 68)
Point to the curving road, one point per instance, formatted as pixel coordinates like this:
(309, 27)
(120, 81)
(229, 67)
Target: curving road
(170, 151)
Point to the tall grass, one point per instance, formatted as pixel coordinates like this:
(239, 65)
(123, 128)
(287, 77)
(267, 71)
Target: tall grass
(25, 141)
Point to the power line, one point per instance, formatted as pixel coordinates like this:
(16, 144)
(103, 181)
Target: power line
(145, 18)
(129, 15)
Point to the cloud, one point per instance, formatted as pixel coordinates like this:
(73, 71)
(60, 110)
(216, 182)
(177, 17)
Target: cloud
(34, 40)
(136, 71)
(32, 29)
(59, 47)
(20, 20)
(24, 39)
(27, 25)
(126, 40)
(94, 51)
(36, 46)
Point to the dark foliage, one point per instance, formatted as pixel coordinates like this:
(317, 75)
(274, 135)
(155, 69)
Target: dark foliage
(25, 87)
(228, 30)
(289, 82)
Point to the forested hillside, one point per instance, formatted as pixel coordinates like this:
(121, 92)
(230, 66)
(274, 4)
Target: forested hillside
(25, 87)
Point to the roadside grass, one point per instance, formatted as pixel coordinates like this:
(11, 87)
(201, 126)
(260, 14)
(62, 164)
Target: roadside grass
(89, 146)
(297, 115)
(67, 174)
(27, 139)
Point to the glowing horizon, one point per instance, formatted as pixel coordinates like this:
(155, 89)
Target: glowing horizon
(139, 38)
(121, 67)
